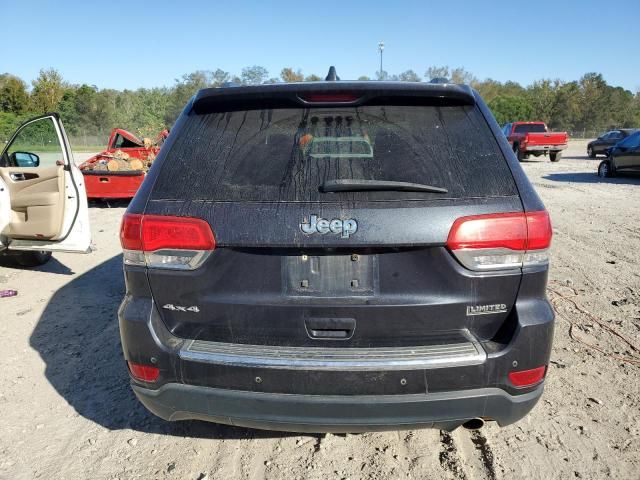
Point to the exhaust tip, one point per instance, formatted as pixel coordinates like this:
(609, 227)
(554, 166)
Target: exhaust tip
(474, 424)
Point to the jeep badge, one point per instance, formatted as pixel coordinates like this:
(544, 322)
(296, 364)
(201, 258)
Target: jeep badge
(323, 226)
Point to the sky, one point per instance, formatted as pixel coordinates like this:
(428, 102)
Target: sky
(134, 44)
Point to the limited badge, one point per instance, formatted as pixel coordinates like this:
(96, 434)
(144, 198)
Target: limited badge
(486, 309)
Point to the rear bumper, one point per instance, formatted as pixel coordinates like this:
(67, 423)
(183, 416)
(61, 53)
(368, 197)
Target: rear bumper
(254, 387)
(544, 148)
(315, 413)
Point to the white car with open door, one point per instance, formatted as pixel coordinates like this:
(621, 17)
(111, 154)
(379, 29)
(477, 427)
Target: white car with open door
(43, 204)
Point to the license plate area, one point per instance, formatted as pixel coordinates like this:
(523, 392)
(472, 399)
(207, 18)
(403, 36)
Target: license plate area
(330, 275)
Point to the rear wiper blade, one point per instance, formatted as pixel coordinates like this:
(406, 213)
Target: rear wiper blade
(377, 185)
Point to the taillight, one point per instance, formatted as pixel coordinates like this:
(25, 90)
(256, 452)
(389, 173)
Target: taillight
(161, 241)
(501, 240)
(130, 232)
(145, 373)
(527, 378)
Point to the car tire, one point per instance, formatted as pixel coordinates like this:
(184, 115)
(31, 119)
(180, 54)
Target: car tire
(590, 152)
(605, 169)
(555, 156)
(518, 152)
(32, 259)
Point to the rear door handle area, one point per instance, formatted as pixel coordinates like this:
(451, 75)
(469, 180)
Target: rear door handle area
(330, 328)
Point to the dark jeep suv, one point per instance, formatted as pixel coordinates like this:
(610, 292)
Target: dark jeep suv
(337, 256)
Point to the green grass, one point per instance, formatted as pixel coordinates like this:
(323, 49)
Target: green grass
(55, 148)
(24, 147)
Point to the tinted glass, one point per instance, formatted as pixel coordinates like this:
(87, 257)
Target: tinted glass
(286, 154)
(533, 128)
(615, 136)
(631, 141)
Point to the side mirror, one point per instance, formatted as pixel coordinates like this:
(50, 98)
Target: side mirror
(25, 159)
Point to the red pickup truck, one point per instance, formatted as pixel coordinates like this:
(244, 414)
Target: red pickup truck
(534, 138)
(103, 183)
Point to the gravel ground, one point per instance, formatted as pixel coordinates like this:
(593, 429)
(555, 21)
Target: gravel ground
(68, 411)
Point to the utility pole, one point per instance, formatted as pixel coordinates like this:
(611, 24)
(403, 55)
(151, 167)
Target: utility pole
(381, 49)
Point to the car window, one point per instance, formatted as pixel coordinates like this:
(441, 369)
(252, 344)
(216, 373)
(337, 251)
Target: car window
(636, 141)
(615, 136)
(36, 145)
(285, 155)
(122, 142)
(632, 141)
(530, 128)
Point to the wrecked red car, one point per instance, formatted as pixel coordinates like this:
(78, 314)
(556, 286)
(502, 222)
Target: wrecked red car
(118, 171)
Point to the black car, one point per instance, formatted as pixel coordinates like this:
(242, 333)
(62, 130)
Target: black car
(337, 256)
(607, 140)
(624, 157)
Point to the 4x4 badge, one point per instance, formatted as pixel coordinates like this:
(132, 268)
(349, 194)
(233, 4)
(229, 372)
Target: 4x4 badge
(179, 308)
(323, 226)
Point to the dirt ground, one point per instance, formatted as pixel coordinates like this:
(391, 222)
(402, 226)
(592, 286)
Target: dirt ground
(68, 411)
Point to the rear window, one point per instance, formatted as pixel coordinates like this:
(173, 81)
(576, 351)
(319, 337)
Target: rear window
(122, 142)
(631, 141)
(530, 128)
(286, 154)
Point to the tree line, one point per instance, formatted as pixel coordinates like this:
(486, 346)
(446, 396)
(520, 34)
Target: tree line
(589, 104)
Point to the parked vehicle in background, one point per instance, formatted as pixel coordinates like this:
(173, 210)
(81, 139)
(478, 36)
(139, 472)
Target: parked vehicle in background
(118, 171)
(624, 157)
(534, 138)
(600, 145)
(401, 251)
(43, 205)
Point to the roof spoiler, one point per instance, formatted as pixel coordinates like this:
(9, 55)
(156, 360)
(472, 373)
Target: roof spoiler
(359, 93)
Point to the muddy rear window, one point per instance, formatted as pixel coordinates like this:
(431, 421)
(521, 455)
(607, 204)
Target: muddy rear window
(287, 154)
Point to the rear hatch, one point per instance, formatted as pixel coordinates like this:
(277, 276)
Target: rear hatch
(315, 246)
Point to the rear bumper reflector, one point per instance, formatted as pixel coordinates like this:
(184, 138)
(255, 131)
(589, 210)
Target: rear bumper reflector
(314, 358)
(145, 373)
(527, 378)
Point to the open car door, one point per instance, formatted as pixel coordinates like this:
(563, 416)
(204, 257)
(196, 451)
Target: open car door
(42, 199)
